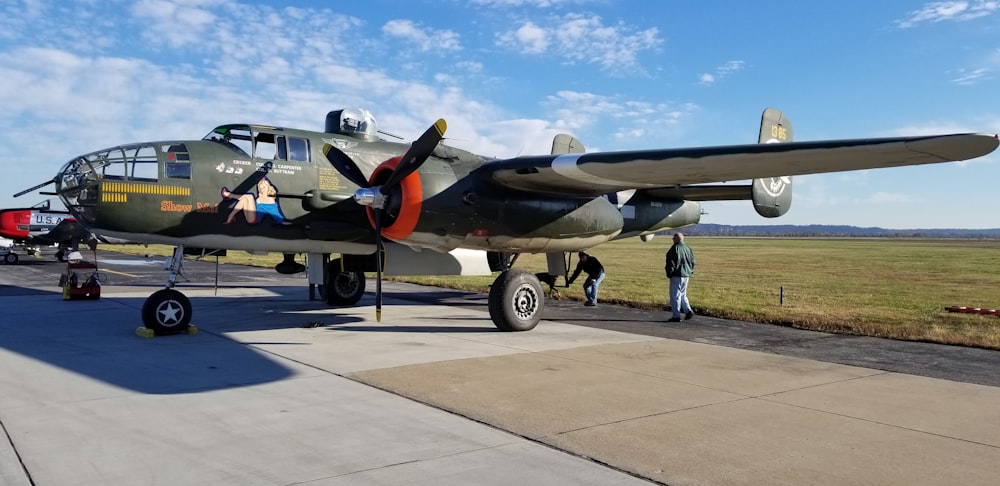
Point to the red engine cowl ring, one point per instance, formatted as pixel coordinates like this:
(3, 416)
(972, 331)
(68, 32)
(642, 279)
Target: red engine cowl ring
(411, 192)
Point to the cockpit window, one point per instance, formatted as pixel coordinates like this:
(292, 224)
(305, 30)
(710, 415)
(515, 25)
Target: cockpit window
(271, 146)
(140, 163)
(298, 149)
(127, 162)
(235, 138)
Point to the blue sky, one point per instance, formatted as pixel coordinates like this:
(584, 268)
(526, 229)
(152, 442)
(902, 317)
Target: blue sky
(81, 75)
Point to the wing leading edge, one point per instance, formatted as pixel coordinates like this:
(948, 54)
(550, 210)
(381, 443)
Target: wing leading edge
(592, 174)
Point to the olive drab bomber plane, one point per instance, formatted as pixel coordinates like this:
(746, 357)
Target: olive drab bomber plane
(433, 209)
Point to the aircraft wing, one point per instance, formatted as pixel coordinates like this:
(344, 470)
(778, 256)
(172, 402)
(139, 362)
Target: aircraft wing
(591, 174)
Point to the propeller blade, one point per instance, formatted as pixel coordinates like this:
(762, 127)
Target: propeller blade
(39, 186)
(378, 266)
(345, 165)
(417, 154)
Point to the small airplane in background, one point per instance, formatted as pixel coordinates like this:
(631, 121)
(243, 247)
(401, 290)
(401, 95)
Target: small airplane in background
(30, 229)
(432, 209)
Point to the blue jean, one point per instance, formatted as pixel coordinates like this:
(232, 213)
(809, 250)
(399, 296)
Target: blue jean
(590, 287)
(679, 296)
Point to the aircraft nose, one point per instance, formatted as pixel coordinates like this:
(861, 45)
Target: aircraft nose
(78, 185)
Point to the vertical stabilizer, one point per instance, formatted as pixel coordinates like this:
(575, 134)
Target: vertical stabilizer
(566, 144)
(772, 196)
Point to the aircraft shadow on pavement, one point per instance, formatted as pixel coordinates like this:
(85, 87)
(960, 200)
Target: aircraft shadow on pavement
(18, 291)
(97, 339)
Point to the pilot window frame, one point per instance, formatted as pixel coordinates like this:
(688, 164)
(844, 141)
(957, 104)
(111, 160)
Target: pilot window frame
(265, 146)
(282, 147)
(272, 146)
(236, 138)
(177, 164)
(136, 163)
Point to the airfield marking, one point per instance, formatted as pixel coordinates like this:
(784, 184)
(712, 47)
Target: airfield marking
(120, 273)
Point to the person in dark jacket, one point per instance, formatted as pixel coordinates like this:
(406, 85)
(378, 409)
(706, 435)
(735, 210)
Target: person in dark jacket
(595, 275)
(679, 267)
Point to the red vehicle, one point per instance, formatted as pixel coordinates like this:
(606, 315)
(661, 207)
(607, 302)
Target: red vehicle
(30, 229)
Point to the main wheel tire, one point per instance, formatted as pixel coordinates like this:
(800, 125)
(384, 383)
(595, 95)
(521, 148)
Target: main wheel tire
(343, 288)
(516, 301)
(10, 259)
(167, 311)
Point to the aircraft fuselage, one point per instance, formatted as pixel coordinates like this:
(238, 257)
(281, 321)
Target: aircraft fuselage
(261, 188)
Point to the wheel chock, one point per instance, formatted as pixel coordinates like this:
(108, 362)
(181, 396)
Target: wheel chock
(145, 332)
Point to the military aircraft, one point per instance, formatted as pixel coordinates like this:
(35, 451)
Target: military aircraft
(30, 229)
(430, 208)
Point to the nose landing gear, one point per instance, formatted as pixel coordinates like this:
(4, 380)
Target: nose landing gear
(168, 311)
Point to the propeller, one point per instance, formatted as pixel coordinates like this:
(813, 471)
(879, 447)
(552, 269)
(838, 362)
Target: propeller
(39, 186)
(375, 196)
(345, 165)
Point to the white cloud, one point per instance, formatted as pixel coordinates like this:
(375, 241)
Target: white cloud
(531, 38)
(632, 123)
(176, 22)
(958, 11)
(425, 40)
(578, 38)
(971, 76)
(730, 67)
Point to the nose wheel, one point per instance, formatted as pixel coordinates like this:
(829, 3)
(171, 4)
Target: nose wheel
(167, 311)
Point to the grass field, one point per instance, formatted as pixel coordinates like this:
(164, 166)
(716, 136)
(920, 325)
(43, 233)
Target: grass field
(894, 288)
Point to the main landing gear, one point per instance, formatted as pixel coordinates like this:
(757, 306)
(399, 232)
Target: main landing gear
(516, 298)
(342, 287)
(515, 301)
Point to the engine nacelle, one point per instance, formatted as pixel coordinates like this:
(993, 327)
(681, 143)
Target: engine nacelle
(439, 209)
(512, 221)
(644, 214)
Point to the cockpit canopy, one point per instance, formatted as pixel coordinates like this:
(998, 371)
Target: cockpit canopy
(352, 121)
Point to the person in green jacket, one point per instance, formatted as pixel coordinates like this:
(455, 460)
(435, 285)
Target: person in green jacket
(680, 266)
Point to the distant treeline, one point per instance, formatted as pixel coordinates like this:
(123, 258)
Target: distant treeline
(821, 230)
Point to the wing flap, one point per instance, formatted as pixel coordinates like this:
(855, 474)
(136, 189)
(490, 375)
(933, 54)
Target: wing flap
(601, 173)
(714, 192)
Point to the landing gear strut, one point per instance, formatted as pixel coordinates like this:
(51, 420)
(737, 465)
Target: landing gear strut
(168, 311)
